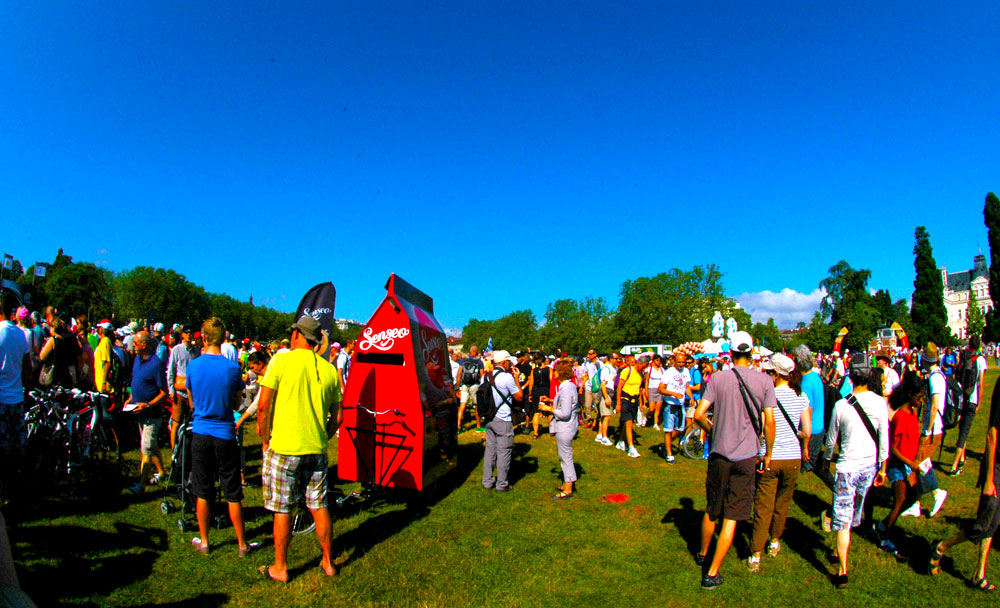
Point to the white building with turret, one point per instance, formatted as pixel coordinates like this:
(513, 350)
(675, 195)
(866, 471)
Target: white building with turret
(964, 289)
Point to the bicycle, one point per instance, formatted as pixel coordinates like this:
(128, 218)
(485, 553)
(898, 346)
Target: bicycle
(696, 443)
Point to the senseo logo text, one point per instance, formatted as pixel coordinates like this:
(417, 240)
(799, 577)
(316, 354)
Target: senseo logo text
(382, 340)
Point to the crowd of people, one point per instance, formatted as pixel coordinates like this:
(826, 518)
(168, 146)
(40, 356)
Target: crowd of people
(880, 416)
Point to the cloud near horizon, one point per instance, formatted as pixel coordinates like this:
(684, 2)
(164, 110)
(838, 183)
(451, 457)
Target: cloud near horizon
(788, 307)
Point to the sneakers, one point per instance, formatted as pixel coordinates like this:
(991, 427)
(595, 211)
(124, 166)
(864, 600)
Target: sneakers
(599, 438)
(772, 548)
(137, 488)
(840, 581)
(913, 511)
(481, 430)
(825, 521)
(887, 545)
(633, 453)
(699, 559)
(656, 427)
(621, 446)
(939, 498)
(606, 441)
(670, 459)
(711, 582)
(753, 564)
(955, 473)
(155, 479)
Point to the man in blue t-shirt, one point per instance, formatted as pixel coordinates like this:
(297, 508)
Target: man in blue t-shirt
(148, 393)
(215, 389)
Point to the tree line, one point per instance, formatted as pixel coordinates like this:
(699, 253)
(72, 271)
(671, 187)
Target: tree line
(676, 306)
(143, 293)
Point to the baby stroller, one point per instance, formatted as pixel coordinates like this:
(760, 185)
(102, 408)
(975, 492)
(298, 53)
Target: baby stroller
(179, 485)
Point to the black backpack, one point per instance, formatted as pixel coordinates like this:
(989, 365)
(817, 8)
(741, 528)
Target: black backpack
(116, 372)
(486, 406)
(968, 373)
(470, 371)
(950, 408)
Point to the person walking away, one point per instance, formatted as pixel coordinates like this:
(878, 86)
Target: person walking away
(180, 356)
(860, 423)
(933, 425)
(776, 484)
(500, 430)
(743, 402)
(564, 425)
(591, 369)
(214, 388)
(674, 389)
(627, 395)
(472, 372)
(904, 442)
(148, 394)
(972, 372)
(984, 526)
(62, 352)
(297, 396)
(15, 372)
(695, 389)
(605, 407)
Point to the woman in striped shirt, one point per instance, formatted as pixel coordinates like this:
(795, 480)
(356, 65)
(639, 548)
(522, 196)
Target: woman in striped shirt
(776, 485)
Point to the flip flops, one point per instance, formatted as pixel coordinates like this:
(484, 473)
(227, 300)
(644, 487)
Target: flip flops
(982, 585)
(196, 543)
(251, 547)
(934, 563)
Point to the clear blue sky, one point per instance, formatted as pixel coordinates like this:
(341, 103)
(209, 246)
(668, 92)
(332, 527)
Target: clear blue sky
(497, 155)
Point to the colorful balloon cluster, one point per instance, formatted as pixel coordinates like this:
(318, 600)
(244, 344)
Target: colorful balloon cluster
(690, 348)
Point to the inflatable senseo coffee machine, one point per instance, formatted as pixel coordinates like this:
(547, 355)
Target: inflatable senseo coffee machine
(400, 408)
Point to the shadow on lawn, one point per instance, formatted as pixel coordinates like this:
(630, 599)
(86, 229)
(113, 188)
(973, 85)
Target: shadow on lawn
(687, 520)
(806, 542)
(64, 563)
(379, 528)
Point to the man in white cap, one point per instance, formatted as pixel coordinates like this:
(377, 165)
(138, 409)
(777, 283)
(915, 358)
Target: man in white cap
(744, 402)
(500, 430)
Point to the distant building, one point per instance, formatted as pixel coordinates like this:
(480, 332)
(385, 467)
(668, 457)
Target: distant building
(962, 289)
(345, 324)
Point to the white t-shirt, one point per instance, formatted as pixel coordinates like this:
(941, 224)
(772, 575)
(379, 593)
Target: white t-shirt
(981, 366)
(13, 348)
(504, 385)
(890, 380)
(938, 387)
(608, 378)
(676, 381)
(655, 377)
(857, 450)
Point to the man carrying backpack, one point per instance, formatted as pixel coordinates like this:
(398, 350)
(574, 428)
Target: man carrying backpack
(471, 372)
(499, 428)
(971, 369)
(933, 432)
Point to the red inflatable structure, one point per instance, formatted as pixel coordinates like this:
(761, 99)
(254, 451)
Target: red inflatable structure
(400, 415)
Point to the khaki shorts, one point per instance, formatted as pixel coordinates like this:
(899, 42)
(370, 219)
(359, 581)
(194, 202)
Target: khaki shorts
(149, 429)
(182, 409)
(468, 394)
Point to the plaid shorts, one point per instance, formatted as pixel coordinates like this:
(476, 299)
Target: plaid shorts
(287, 478)
(849, 491)
(13, 428)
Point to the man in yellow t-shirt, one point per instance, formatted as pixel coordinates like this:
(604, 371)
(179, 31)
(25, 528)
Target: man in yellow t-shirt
(102, 357)
(627, 397)
(297, 395)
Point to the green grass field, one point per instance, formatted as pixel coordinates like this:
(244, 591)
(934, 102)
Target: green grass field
(462, 546)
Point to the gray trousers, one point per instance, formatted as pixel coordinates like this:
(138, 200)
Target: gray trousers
(499, 449)
(564, 443)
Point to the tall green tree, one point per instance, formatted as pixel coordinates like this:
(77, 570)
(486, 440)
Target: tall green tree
(672, 307)
(848, 303)
(80, 288)
(975, 322)
(927, 312)
(578, 325)
(516, 330)
(767, 335)
(174, 299)
(991, 215)
(882, 302)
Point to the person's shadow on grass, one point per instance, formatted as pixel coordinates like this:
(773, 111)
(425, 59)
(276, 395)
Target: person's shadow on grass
(687, 520)
(806, 542)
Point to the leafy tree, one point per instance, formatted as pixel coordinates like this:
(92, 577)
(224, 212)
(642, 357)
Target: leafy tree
(79, 288)
(991, 214)
(927, 312)
(575, 326)
(767, 335)
(849, 304)
(975, 322)
(476, 333)
(142, 290)
(886, 310)
(516, 330)
(672, 307)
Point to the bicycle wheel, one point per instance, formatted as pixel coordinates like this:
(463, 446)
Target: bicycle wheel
(693, 444)
(104, 444)
(302, 521)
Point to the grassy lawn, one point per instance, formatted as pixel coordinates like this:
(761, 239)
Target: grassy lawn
(463, 546)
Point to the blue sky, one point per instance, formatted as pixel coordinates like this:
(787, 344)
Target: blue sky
(499, 155)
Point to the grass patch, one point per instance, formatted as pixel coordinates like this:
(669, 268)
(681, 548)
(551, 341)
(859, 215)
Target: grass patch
(464, 546)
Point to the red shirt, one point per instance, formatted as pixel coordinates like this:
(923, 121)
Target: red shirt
(904, 430)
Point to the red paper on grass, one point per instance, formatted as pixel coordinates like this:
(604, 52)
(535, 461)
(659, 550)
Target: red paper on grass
(615, 498)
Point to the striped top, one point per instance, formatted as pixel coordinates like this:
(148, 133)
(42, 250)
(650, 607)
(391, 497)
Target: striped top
(787, 445)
